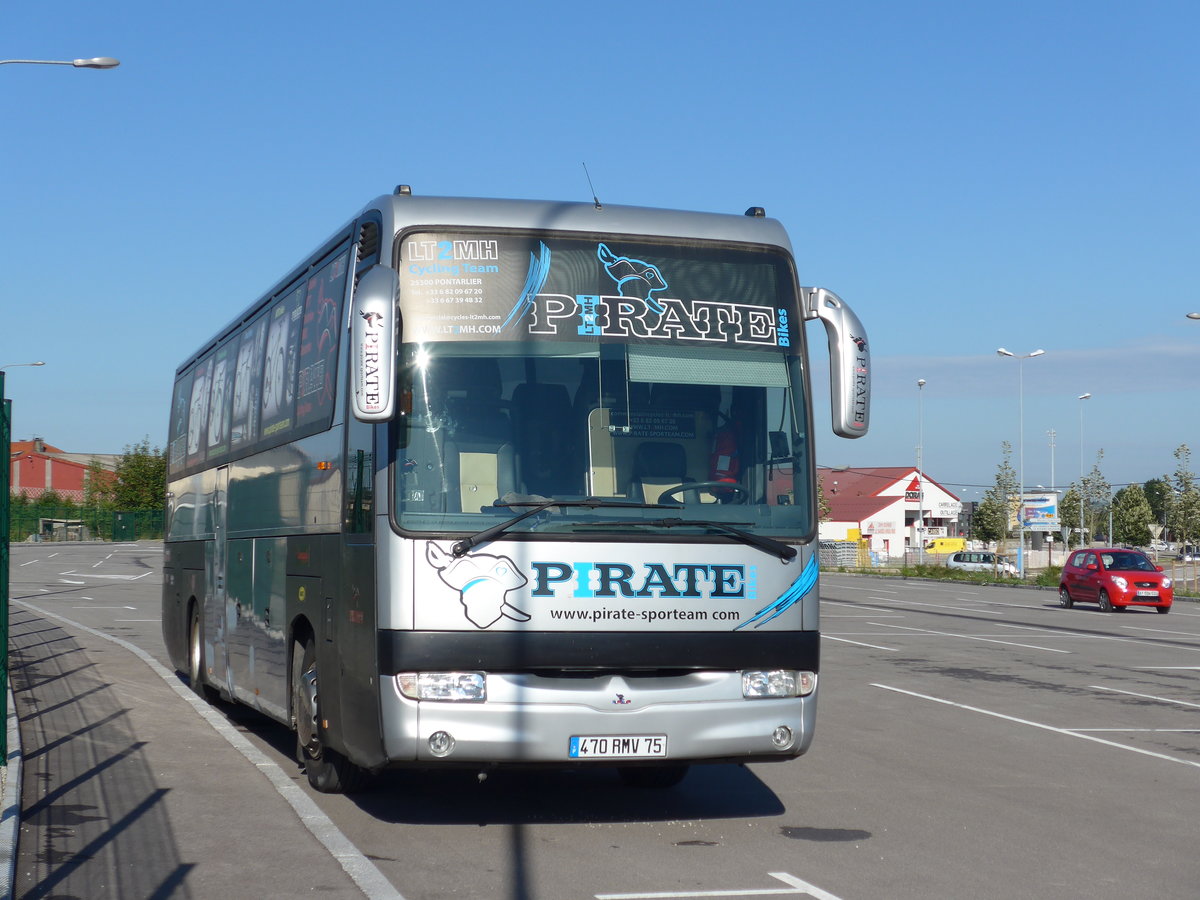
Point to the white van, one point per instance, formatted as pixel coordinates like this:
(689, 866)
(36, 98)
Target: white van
(981, 561)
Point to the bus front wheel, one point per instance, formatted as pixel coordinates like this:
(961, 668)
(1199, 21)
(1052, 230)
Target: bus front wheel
(328, 771)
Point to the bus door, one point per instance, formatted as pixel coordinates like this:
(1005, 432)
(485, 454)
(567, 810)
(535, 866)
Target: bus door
(216, 618)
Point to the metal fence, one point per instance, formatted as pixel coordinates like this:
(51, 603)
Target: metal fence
(54, 523)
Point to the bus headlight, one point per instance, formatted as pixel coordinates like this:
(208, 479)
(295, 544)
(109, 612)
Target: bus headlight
(763, 684)
(465, 686)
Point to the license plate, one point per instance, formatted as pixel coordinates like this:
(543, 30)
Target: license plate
(1147, 593)
(618, 746)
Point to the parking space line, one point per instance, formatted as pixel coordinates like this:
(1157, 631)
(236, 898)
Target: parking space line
(830, 637)
(795, 887)
(1065, 731)
(1143, 730)
(1099, 687)
(1160, 631)
(971, 637)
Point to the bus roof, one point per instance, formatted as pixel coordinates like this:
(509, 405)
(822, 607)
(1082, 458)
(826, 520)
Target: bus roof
(407, 210)
(402, 209)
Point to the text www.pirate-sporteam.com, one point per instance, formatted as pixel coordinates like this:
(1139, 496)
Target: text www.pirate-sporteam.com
(646, 615)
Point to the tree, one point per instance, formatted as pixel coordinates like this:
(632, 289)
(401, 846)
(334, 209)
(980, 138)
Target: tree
(1095, 493)
(141, 481)
(98, 486)
(1183, 517)
(1068, 516)
(1158, 495)
(1131, 516)
(996, 512)
(823, 508)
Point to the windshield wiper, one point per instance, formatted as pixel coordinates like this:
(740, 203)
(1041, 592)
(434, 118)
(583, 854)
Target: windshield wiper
(768, 545)
(540, 505)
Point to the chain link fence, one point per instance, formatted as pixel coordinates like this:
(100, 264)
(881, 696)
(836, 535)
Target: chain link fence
(65, 523)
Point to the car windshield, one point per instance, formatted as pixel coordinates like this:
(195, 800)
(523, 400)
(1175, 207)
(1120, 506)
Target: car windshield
(1127, 562)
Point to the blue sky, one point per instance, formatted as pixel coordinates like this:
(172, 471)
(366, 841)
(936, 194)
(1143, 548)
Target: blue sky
(966, 176)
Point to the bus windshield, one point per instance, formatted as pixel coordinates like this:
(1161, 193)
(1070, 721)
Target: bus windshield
(544, 366)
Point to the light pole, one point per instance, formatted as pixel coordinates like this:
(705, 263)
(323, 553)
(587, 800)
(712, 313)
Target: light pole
(1082, 397)
(6, 442)
(96, 62)
(920, 483)
(1020, 358)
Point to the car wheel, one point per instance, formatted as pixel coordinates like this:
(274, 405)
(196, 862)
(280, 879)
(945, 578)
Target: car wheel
(1162, 610)
(1105, 603)
(1064, 598)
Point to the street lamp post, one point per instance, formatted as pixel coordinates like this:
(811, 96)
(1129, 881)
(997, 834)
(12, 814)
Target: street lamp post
(96, 62)
(1020, 358)
(6, 442)
(920, 482)
(1082, 397)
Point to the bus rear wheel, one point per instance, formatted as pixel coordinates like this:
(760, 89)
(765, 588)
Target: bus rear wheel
(328, 771)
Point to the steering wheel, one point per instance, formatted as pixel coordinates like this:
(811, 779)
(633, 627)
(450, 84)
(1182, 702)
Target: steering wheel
(741, 495)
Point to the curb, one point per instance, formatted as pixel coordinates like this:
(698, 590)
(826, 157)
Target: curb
(10, 803)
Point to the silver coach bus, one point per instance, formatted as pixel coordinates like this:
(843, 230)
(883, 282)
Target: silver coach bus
(488, 482)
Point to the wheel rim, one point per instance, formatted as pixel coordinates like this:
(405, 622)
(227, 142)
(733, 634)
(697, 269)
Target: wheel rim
(307, 712)
(1064, 599)
(194, 651)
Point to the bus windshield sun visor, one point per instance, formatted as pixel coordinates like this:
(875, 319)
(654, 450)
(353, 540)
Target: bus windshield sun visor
(482, 537)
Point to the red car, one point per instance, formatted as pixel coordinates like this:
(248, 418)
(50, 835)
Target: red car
(1115, 579)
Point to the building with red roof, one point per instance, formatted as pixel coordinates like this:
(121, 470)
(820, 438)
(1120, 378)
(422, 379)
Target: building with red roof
(890, 507)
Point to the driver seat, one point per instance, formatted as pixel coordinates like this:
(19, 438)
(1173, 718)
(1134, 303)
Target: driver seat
(657, 467)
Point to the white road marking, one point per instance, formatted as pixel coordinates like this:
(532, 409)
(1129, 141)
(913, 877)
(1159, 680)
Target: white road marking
(830, 637)
(114, 577)
(1099, 687)
(971, 637)
(796, 887)
(1066, 731)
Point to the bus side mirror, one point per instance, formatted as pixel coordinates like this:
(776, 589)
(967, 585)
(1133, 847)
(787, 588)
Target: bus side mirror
(849, 360)
(373, 330)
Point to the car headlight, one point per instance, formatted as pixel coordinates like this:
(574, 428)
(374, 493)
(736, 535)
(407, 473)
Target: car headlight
(1166, 582)
(1119, 582)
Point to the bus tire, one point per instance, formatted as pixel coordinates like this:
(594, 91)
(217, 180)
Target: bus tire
(653, 776)
(328, 771)
(196, 658)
